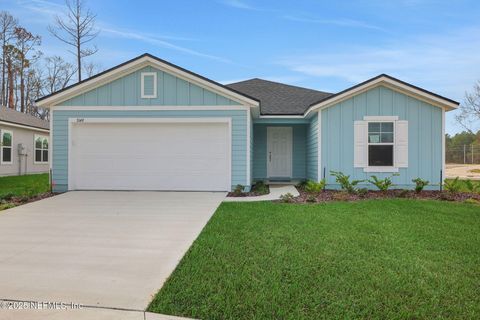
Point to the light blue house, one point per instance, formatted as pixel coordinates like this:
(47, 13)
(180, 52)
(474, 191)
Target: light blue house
(150, 125)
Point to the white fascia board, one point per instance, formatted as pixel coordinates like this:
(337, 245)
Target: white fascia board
(134, 66)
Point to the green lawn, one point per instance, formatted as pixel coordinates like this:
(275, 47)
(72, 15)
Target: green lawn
(378, 259)
(28, 185)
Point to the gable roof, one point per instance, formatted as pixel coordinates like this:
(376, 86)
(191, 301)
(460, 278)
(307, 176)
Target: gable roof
(278, 98)
(136, 63)
(390, 82)
(23, 119)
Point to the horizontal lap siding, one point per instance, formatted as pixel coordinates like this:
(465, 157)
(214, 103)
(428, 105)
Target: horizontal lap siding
(171, 91)
(424, 143)
(312, 149)
(259, 168)
(60, 137)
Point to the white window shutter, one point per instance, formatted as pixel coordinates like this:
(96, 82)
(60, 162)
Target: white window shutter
(401, 144)
(360, 133)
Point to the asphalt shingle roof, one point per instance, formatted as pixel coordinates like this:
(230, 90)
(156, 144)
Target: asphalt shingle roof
(13, 116)
(278, 98)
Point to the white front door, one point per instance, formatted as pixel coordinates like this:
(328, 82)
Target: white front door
(279, 152)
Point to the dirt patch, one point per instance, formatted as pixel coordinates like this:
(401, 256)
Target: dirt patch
(336, 195)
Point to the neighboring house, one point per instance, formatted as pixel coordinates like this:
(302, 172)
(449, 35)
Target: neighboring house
(24, 143)
(150, 125)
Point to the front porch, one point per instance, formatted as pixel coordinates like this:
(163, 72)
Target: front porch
(283, 151)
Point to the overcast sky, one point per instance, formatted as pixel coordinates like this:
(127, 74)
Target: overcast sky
(322, 45)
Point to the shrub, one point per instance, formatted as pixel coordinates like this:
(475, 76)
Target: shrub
(382, 184)
(344, 181)
(311, 198)
(452, 186)
(472, 187)
(420, 184)
(315, 188)
(238, 191)
(287, 197)
(302, 184)
(261, 188)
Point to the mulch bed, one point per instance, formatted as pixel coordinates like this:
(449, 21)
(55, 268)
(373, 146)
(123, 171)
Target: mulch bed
(252, 193)
(336, 195)
(17, 201)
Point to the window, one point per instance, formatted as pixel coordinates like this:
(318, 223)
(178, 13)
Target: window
(148, 85)
(41, 149)
(7, 141)
(380, 144)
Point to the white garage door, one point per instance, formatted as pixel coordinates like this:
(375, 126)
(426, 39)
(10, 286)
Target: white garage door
(150, 156)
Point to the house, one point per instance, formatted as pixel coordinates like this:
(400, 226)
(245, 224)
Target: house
(150, 125)
(24, 143)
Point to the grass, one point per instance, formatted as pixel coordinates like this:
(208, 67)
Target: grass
(28, 185)
(377, 259)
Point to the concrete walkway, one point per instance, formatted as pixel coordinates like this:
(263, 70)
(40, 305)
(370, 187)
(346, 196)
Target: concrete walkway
(275, 192)
(100, 249)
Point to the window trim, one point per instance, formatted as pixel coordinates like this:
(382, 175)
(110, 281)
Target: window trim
(41, 149)
(381, 119)
(3, 147)
(148, 96)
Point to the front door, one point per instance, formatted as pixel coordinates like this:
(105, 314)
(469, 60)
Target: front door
(279, 152)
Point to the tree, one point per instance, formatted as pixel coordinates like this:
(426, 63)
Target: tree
(469, 116)
(7, 27)
(11, 60)
(91, 69)
(76, 29)
(59, 73)
(26, 43)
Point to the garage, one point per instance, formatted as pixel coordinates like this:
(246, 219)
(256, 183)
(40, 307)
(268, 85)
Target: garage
(150, 154)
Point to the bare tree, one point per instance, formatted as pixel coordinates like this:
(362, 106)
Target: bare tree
(59, 73)
(91, 68)
(26, 43)
(7, 27)
(469, 116)
(76, 29)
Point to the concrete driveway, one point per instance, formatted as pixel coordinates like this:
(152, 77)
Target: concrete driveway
(105, 249)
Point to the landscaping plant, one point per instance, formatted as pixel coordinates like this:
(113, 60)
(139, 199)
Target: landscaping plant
(472, 187)
(238, 191)
(420, 184)
(260, 188)
(344, 181)
(287, 197)
(382, 184)
(314, 188)
(452, 186)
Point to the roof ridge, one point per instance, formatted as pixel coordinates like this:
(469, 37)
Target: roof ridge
(280, 83)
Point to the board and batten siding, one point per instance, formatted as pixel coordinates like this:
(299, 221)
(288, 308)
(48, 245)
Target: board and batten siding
(424, 131)
(61, 139)
(312, 149)
(259, 166)
(171, 91)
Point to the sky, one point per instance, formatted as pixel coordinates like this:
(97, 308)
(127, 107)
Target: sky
(323, 45)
